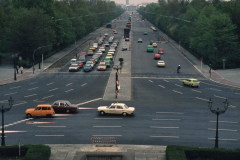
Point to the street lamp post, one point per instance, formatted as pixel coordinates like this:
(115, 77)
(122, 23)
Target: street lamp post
(3, 110)
(217, 111)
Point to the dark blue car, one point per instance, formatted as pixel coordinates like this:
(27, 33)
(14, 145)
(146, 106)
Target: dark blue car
(87, 68)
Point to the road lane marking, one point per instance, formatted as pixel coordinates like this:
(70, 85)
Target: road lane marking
(161, 86)
(150, 81)
(37, 100)
(220, 97)
(177, 92)
(84, 84)
(229, 130)
(221, 139)
(51, 126)
(68, 84)
(106, 135)
(215, 89)
(69, 90)
(4, 101)
(12, 132)
(61, 135)
(85, 108)
(166, 119)
(33, 88)
(196, 91)
(14, 123)
(107, 126)
(10, 93)
(64, 115)
(30, 95)
(202, 99)
(178, 85)
(236, 93)
(107, 118)
(34, 122)
(53, 89)
(79, 104)
(164, 127)
(169, 112)
(48, 97)
(224, 122)
(19, 104)
(50, 83)
(164, 136)
(15, 87)
(166, 80)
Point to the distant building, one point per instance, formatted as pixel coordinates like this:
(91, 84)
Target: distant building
(127, 2)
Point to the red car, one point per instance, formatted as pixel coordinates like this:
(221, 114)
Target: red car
(64, 106)
(126, 39)
(157, 56)
(160, 51)
(80, 64)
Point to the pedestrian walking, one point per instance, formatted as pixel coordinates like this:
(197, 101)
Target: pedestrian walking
(21, 69)
(17, 68)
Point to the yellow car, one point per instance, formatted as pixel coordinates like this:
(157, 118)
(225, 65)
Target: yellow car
(191, 82)
(154, 44)
(42, 110)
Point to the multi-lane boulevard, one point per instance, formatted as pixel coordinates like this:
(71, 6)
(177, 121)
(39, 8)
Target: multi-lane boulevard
(166, 111)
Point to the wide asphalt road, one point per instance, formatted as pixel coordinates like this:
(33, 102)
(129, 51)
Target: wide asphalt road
(166, 111)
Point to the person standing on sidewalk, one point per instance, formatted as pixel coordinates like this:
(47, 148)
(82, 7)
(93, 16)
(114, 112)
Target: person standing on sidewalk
(21, 69)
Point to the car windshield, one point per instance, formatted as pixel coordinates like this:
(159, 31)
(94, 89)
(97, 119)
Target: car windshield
(125, 106)
(74, 65)
(195, 80)
(68, 103)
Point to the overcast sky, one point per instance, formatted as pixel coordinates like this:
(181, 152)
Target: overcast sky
(134, 1)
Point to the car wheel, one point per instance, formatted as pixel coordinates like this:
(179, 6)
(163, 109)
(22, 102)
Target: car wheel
(67, 110)
(49, 115)
(28, 115)
(124, 114)
(102, 112)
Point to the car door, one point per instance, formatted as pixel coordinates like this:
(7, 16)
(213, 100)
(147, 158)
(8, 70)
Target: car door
(56, 106)
(119, 110)
(44, 111)
(37, 111)
(62, 107)
(112, 109)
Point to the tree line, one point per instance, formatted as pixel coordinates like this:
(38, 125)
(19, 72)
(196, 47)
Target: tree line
(210, 30)
(28, 26)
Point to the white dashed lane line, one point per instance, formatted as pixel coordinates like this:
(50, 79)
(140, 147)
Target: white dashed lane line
(98, 135)
(33, 83)
(196, 91)
(166, 119)
(48, 97)
(178, 85)
(50, 83)
(231, 122)
(15, 87)
(150, 81)
(8, 94)
(50, 135)
(161, 86)
(164, 136)
(166, 80)
(236, 93)
(69, 90)
(164, 127)
(228, 130)
(220, 97)
(107, 126)
(68, 84)
(31, 95)
(33, 88)
(93, 100)
(108, 118)
(84, 84)
(51, 126)
(19, 103)
(53, 89)
(177, 92)
(202, 99)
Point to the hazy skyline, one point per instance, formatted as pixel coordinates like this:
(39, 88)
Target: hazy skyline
(135, 1)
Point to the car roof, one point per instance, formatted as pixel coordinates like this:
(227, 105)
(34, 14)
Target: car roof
(44, 105)
(192, 79)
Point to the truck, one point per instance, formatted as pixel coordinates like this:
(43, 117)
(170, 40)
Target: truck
(128, 25)
(126, 32)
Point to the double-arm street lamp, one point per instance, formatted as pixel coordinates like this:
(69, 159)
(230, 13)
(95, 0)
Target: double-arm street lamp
(217, 111)
(3, 110)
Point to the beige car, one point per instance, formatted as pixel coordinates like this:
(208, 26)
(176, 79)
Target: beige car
(116, 108)
(161, 63)
(154, 44)
(102, 66)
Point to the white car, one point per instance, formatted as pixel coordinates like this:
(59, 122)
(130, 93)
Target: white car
(116, 108)
(90, 63)
(161, 63)
(111, 50)
(99, 53)
(73, 67)
(102, 49)
(112, 53)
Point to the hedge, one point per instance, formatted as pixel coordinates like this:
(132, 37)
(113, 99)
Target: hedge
(192, 153)
(28, 152)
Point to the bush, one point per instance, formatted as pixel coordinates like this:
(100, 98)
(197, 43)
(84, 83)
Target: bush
(12, 151)
(37, 152)
(193, 153)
